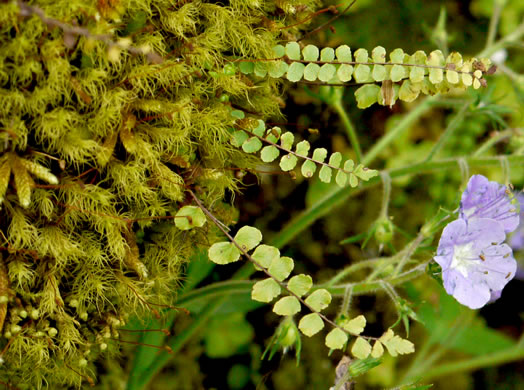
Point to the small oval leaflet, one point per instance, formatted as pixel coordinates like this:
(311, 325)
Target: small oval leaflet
(336, 339)
(248, 237)
(300, 284)
(189, 217)
(319, 299)
(265, 255)
(265, 290)
(311, 324)
(223, 253)
(281, 267)
(287, 306)
(361, 349)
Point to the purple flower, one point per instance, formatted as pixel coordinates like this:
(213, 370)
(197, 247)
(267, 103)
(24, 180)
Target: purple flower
(474, 260)
(516, 241)
(488, 199)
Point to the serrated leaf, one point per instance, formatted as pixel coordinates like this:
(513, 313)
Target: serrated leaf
(260, 128)
(269, 153)
(397, 345)
(265, 290)
(288, 162)
(238, 138)
(189, 217)
(319, 299)
(293, 51)
(287, 306)
(356, 325)
(302, 148)
(279, 51)
(295, 71)
(308, 168)
(378, 350)
(286, 141)
(327, 54)
(261, 69)
(237, 114)
(336, 339)
(252, 145)
(325, 174)
(367, 95)
(362, 73)
(388, 335)
(246, 67)
(345, 72)
(223, 253)
(300, 284)
(311, 72)
(248, 237)
(341, 178)
(310, 53)
(343, 53)
(319, 154)
(277, 69)
(365, 173)
(311, 324)
(326, 72)
(361, 349)
(281, 267)
(335, 159)
(265, 254)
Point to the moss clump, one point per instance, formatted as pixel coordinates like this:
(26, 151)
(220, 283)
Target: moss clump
(104, 124)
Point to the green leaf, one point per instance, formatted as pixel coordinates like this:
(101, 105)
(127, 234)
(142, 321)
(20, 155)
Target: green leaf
(365, 173)
(223, 253)
(311, 324)
(409, 91)
(269, 153)
(310, 53)
(302, 148)
(300, 284)
(279, 51)
(287, 306)
(325, 174)
(308, 168)
(327, 54)
(397, 56)
(416, 74)
(345, 72)
(261, 69)
(293, 50)
(246, 67)
(319, 299)
(281, 267)
(353, 180)
(295, 71)
(265, 290)
(311, 72)
(436, 75)
(362, 73)
(361, 55)
(361, 349)
(397, 73)
(239, 137)
(319, 154)
(288, 162)
(265, 255)
(335, 159)
(326, 73)
(286, 141)
(378, 349)
(452, 77)
(379, 73)
(336, 339)
(252, 145)
(260, 128)
(343, 53)
(273, 134)
(395, 344)
(378, 54)
(248, 237)
(356, 325)
(341, 179)
(349, 165)
(277, 69)
(367, 95)
(237, 114)
(189, 217)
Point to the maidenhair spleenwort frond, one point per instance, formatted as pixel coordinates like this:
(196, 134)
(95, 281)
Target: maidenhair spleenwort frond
(252, 134)
(404, 77)
(300, 292)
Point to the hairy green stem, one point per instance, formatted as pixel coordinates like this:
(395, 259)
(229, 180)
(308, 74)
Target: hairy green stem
(504, 42)
(350, 129)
